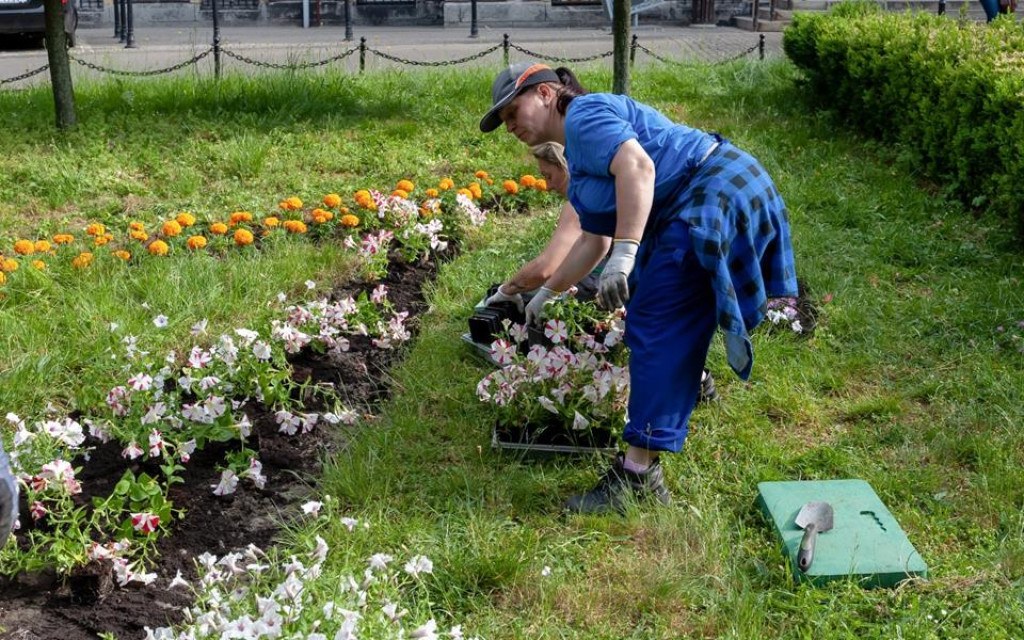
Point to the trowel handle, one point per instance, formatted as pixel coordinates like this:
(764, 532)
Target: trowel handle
(805, 556)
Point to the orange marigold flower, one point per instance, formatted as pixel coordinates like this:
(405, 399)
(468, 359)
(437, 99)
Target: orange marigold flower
(95, 229)
(218, 228)
(185, 219)
(291, 204)
(400, 193)
(446, 184)
(82, 260)
(295, 226)
(433, 193)
(41, 246)
(527, 181)
(136, 226)
(481, 174)
(319, 219)
(171, 228)
(343, 210)
(349, 220)
(475, 189)
(243, 237)
(141, 236)
(158, 248)
(466, 192)
(406, 186)
(510, 187)
(24, 247)
(196, 242)
(489, 181)
(240, 216)
(332, 200)
(272, 221)
(541, 184)
(102, 240)
(8, 265)
(121, 253)
(63, 238)
(39, 265)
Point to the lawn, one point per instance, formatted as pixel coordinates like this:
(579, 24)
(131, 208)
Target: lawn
(911, 381)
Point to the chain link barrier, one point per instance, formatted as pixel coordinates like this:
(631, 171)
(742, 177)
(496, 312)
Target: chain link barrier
(150, 72)
(286, 66)
(439, 63)
(541, 56)
(660, 58)
(27, 74)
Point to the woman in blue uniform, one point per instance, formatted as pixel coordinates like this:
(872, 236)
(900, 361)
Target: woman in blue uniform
(699, 239)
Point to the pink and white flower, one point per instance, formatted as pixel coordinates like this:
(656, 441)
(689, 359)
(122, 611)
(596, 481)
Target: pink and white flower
(556, 331)
(227, 485)
(418, 565)
(145, 522)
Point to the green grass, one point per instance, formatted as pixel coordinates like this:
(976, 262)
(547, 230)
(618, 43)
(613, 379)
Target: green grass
(908, 382)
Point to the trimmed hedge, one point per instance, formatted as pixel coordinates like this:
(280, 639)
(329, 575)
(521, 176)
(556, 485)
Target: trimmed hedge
(951, 92)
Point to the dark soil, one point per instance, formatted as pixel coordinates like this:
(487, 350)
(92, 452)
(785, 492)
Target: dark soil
(89, 602)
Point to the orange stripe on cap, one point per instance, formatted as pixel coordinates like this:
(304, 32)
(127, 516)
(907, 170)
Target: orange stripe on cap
(529, 72)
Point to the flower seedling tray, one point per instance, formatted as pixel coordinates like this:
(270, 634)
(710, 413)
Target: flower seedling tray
(866, 544)
(481, 350)
(553, 439)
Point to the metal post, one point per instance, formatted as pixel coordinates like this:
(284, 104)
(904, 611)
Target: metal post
(942, 7)
(348, 20)
(216, 40)
(755, 8)
(760, 46)
(362, 54)
(123, 36)
(117, 18)
(305, 14)
(504, 46)
(130, 41)
(473, 31)
(632, 51)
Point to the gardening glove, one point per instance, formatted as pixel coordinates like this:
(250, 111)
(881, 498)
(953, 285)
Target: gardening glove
(535, 309)
(613, 288)
(8, 497)
(501, 296)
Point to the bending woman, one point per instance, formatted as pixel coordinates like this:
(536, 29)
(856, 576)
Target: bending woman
(699, 238)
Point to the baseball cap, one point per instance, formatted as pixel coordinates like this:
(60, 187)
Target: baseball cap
(512, 81)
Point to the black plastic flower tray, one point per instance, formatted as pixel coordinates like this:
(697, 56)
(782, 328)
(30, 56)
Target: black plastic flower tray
(553, 439)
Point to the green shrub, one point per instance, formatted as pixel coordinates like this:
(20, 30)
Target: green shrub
(951, 93)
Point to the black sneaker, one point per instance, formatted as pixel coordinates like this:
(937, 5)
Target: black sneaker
(618, 487)
(708, 392)
(8, 497)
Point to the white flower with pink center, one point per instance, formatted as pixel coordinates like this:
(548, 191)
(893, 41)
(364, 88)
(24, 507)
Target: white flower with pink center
(502, 352)
(132, 451)
(548, 404)
(379, 294)
(156, 444)
(198, 358)
(227, 485)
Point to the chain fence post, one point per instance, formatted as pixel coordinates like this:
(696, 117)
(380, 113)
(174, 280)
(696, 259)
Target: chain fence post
(117, 18)
(348, 20)
(632, 51)
(362, 54)
(760, 46)
(123, 36)
(504, 47)
(130, 39)
(216, 41)
(942, 7)
(473, 31)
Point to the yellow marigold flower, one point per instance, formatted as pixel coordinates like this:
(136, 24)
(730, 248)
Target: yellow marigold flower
(466, 192)
(99, 241)
(446, 184)
(349, 220)
(295, 226)
(82, 260)
(136, 226)
(121, 253)
(185, 219)
(400, 193)
(95, 229)
(527, 181)
(489, 181)
(475, 189)
(510, 187)
(24, 247)
(3, 278)
(63, 238)
(332, 200)
(41, 246)
(541, 184)
(271, 222)
(158, 248)
(139, 235)
(218, 228)
(433, 193)
(8, 265)
(196, 242)
(39, 265)
(406, 186)
(481, 174)
(171, 228)
(243, 237)
(240, 216)
(265, 233)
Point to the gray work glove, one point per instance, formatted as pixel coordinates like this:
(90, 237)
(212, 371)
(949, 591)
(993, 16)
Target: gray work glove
(8, 497)
(501, 296)
(535, 309)
(613, 287)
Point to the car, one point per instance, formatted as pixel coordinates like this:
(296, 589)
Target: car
(26, 17)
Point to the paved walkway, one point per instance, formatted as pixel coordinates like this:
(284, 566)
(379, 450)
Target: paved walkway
(159, 47)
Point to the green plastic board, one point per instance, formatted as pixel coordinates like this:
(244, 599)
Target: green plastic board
(865, 544)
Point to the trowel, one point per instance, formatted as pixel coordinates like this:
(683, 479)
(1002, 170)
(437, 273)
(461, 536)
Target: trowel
(814, 518)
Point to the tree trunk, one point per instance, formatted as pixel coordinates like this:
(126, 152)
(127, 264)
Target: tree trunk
(620, 31)
(704, 12)
(60, 64)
